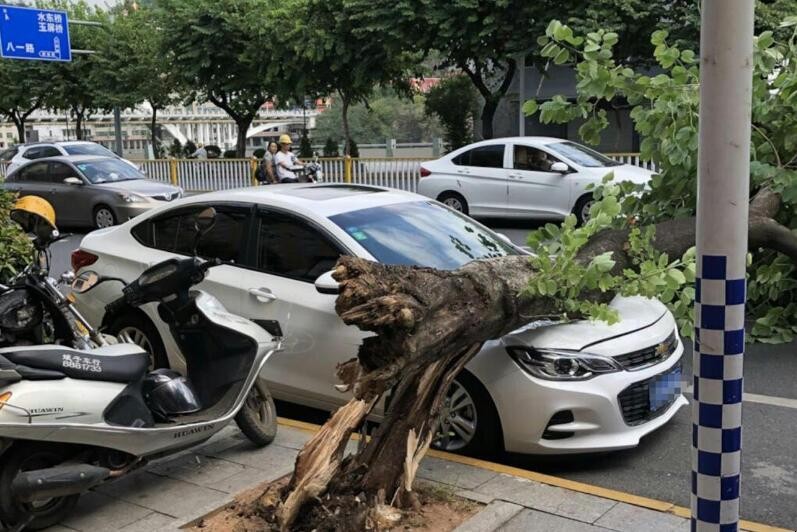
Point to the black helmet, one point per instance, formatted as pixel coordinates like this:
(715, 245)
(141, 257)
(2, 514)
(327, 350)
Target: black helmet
(167, 393)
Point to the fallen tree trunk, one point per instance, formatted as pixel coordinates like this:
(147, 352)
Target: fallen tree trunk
(429, 324)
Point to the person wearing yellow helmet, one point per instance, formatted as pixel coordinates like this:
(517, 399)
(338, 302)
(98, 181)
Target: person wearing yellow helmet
(285, 161)
(35, 215)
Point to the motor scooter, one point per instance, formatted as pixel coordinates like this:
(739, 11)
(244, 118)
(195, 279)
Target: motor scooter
(72, 419)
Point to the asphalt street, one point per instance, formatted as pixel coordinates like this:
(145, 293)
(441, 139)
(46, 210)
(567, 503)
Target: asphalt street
(660, 467)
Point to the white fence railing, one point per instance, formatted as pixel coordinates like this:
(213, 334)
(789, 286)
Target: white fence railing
(221, 174)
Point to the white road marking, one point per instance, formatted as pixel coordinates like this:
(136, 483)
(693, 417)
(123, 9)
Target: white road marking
(771, 400)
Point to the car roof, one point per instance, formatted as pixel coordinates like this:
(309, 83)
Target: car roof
(66, 159)
(325, 200)
(58, 142)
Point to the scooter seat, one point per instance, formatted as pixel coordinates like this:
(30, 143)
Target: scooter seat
(114, 363)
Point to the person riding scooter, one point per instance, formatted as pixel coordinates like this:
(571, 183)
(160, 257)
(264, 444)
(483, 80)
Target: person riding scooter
(286, 163)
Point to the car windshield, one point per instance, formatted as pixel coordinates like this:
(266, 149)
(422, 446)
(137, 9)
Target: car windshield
(88, 149)
(108, 171)
(421, 234)
(581, 155)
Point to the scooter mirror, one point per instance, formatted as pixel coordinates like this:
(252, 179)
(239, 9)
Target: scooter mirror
(85, 282)
(325, 284)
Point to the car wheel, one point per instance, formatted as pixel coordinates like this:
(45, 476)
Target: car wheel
(454, 200)
(39, 514)
(135, 329)
(257, 418)
(104, 217)
(581, 210)
(468, 422)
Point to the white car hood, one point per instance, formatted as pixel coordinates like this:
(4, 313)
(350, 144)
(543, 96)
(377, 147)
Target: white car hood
(635, 313)
(629, 172)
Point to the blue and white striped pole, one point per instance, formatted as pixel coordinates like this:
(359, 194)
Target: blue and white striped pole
(726, 65)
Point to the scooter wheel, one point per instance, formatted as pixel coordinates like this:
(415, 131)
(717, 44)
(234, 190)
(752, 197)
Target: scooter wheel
(257, 418)
(38, 514)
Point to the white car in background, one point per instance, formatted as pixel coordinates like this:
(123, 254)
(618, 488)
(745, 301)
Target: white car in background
(560, 388)
(522, 177)
(39, 150)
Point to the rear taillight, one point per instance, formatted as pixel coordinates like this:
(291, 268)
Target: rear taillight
(425, 172)
(81, 259)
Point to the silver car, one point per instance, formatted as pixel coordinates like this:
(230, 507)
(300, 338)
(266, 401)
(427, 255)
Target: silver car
(90, 190)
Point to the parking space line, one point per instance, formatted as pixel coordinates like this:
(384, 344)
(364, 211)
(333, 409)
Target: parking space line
(770, 400)
(572, 485)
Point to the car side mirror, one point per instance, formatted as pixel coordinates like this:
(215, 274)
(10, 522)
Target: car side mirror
(73, 181)
(560, 167)
(325, 284)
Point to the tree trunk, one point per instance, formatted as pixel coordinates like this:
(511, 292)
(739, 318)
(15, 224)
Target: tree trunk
(79, 125)
(345, 117)
(428, 325)
(488, 116)
(240, 144)
(20, 123)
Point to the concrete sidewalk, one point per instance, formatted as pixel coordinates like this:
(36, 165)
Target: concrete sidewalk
(175, 491)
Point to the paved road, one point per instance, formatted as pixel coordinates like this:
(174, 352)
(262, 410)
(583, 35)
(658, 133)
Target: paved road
(660, 466)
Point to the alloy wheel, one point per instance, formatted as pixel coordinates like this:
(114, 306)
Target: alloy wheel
(585, 210)
(457, 421)
(454, 203)
(103, 218)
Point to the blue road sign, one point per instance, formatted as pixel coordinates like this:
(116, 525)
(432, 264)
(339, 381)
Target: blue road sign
(34, 34)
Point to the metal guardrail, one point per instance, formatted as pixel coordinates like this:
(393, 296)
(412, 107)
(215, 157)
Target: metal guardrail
(220, 174)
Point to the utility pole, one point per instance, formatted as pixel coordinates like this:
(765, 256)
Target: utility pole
(117, 130)
(521, 94)
(726, 70)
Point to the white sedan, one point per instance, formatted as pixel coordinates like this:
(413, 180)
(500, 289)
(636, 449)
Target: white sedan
(547, 388)
(522, 177)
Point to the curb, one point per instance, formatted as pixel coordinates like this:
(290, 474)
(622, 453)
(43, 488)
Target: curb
(572, 485)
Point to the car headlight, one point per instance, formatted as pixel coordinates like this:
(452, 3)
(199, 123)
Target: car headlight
(561, 365)
(132, 198)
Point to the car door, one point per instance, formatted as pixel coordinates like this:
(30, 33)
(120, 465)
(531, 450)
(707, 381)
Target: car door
(290, 253)
(535, 190)
(70, 201)
(31, 179)
(482, 175)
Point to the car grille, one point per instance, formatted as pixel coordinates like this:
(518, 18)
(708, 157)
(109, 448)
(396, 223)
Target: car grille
(635, 401)
(167, 197)
(649, 356)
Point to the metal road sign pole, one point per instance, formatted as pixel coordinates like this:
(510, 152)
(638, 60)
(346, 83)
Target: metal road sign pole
(726, 64)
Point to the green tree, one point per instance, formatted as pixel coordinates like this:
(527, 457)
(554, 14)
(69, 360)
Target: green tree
(136, 66)
(453, 101)
(665, 114)
(386, 115)
(19, 99)
(339, 56)
(16, 249)
(221, 54)
(331, 148)
(305, 148)
(81, 86)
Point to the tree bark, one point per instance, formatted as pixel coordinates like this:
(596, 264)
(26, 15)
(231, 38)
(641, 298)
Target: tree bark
(429, 324)
(242, 125)
(79, 123)
(20, 123)
(491, 99)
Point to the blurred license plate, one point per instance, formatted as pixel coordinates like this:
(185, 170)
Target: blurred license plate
(664, 388)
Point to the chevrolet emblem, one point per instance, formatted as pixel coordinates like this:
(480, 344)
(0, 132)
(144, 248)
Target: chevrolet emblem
(662, 349)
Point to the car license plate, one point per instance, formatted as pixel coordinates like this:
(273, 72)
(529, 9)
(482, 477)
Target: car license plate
(664, 389)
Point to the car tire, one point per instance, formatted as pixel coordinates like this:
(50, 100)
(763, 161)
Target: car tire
(103, 217)
(136, 329)
(486, 438)
(581, 210)
(28, 457)
(454, 200)
(257, 418)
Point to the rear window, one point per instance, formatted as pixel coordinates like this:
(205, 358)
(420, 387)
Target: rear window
(88, 149)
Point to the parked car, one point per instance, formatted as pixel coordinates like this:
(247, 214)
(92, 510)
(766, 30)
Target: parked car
(90, 190)
(522, 177)
(39, 150)
(563, 388)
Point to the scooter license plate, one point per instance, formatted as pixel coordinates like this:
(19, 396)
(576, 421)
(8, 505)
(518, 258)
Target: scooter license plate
(664, 389)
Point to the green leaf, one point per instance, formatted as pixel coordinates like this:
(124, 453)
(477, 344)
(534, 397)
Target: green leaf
(530, 107)
(677, 276)
(562, 57)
